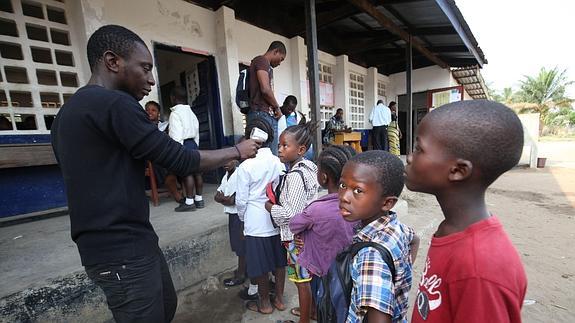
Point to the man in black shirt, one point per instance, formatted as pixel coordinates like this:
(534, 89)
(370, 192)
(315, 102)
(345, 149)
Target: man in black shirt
(101, 138)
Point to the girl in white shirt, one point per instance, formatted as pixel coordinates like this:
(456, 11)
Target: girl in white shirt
(264, 252)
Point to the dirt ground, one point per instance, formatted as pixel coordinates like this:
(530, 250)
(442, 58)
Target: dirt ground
(537, 208)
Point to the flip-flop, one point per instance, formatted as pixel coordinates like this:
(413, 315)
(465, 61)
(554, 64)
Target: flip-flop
(295, 311)
(254, 306)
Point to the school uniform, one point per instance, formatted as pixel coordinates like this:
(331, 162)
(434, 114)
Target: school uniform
(228, 188)
(264, 252)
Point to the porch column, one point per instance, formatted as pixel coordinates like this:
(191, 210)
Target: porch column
(228, 70)
(408, 96)
(370, 94)
(312, 63)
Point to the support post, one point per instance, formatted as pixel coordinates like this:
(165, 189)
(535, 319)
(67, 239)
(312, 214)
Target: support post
(312, 65)
(408, 95)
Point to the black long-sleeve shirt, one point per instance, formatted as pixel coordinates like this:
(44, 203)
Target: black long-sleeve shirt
(101, 139)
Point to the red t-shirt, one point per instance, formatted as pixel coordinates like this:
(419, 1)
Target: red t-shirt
(472, 276)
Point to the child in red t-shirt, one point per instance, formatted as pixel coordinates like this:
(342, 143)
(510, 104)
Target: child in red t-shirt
(473, 272)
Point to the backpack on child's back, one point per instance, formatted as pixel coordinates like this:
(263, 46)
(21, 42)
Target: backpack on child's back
(334, 294)
(243, 91)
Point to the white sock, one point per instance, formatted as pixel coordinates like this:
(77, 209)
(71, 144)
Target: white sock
(253, 289)
(198, 198)
(189, 201)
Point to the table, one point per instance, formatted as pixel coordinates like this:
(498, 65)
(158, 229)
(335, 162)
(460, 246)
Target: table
(350, 138)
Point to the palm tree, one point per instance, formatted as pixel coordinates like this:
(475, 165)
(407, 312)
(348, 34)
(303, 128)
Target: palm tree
(544, 92)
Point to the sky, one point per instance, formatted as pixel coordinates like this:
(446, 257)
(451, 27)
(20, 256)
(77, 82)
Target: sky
(520, 37)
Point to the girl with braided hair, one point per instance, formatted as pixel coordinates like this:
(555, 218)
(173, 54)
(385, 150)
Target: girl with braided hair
(320, 225)
(295, 190)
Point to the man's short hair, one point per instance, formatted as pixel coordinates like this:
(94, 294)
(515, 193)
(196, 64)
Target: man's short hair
(279, 46)
(117, 39)
(379, 102)
(338, 109)
(179, 93)
(487, 133)
(392, 103)
(389, 170)
(290, 99)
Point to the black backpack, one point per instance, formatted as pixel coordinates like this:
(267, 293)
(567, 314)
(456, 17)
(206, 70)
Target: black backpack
(243, 91)
(334, 295)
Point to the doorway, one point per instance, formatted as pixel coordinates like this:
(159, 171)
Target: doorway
(419, 110)
(197, 74)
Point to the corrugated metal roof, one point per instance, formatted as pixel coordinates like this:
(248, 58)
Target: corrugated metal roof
(343, 28)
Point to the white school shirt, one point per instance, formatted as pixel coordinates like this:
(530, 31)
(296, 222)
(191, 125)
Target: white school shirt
(184, 124)
(228, 187)
(380, 115)
(253, 175)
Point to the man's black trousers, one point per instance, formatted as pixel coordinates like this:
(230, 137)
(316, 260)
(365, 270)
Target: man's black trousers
(138, 289)
(380, 140)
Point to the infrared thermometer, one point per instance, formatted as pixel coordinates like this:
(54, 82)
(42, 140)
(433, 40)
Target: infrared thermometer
(258, 134)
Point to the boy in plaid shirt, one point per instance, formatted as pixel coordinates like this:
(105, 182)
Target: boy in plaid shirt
(369, 186)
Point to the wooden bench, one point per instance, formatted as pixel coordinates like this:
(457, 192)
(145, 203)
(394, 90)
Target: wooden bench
(25, 155)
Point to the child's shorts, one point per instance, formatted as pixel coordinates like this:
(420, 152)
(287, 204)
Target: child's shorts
(295, 272)
(263, 255)
(235, 228)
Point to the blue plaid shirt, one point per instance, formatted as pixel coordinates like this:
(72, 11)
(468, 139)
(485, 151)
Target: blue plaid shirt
(372, 285)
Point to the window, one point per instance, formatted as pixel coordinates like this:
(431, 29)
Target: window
(21, 99)
(38, 63)
(56, 15)
(325, 74)
(35, 32)
(8, 28)
(46, 77)
(356, 101)
(3, 99)
(326, 114)
(6, 6)
(16, 74)
(381, 90)
(64, 58)
(50, 100)
(11, 51)
(25, 122)
(41, 55)
(6, 122)
(60, 37)
(48, 120)
(68, 79)
(32, 9)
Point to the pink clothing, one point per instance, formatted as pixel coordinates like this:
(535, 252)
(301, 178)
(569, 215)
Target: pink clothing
(324, 231)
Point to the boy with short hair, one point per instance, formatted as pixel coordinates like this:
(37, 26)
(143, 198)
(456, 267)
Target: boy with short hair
(369, 188)
(473, 272)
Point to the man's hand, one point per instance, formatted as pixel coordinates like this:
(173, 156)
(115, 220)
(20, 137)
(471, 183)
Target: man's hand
(248, 148)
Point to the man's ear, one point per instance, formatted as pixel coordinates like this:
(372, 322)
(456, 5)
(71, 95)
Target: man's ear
(112, 61)
(461, 170)
(388, 203)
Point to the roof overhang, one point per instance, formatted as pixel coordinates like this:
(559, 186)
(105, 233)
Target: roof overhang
(471, 79)
(372, 33)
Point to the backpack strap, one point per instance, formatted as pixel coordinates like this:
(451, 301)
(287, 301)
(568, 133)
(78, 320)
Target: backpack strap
(353, 250)
(282, 182)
